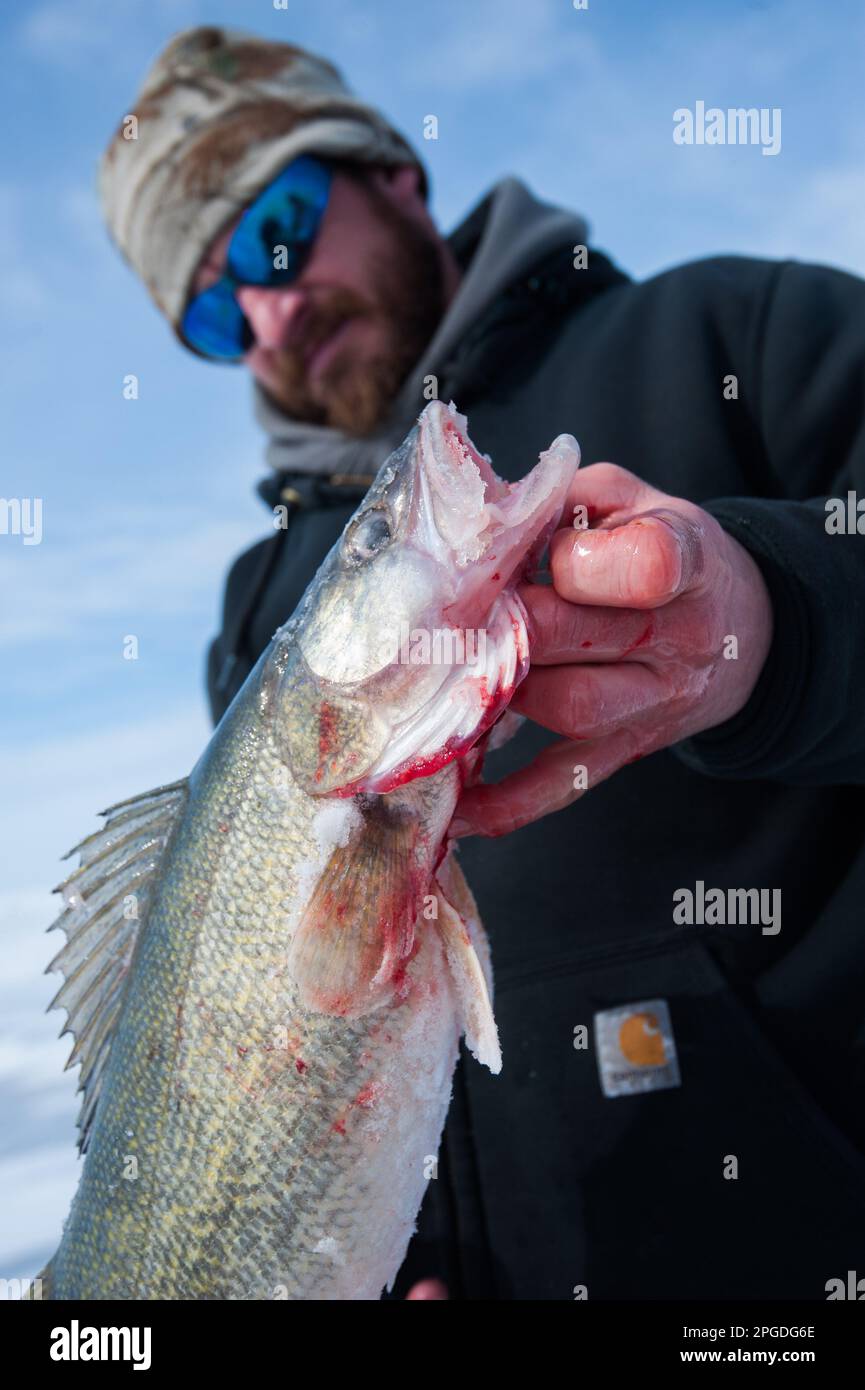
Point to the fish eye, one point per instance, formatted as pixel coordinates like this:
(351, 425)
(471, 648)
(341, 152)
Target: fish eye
(369, 533)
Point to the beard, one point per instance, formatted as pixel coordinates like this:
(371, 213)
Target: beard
(406, 299)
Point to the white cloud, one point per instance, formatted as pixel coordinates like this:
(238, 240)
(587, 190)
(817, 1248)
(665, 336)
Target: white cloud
(60, 27)
(502, 41)
(167, 563)
(54, 789)
(38, 1187)
(24, 292)
(22, 949)
(80, 207)
(820, 219)
(72, 31)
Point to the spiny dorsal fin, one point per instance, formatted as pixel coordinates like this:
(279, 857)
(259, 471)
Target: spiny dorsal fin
(107, 901)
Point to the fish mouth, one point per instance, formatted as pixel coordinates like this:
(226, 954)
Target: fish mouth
(487, 534)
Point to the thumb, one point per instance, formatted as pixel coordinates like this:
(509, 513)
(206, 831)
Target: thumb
(601, 490)
(644, 562)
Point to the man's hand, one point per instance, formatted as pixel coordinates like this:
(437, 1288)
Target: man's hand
(632, 646)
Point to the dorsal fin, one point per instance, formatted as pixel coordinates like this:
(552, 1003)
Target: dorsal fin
(107, 901)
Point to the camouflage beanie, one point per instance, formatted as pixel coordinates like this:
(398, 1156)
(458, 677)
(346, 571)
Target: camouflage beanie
(219, 114)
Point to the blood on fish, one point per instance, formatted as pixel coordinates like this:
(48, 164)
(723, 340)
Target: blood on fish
(585, 644)
(368, 1094)
(487, 696)
(402, 984)
(417, 767)
(300, 1064)
(328, 723)
(443, 848)
(452, 749)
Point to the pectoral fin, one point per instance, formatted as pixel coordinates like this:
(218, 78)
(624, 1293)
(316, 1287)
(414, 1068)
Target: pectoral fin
(356, 934)
(357, 929)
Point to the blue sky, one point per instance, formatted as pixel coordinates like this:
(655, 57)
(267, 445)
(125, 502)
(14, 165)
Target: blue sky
(145, 502)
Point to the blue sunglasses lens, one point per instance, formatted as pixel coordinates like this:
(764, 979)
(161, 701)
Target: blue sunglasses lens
(268, 248)
(215, 324)
(276, 231)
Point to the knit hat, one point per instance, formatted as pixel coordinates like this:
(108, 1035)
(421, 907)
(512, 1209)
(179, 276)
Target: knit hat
(219, 114)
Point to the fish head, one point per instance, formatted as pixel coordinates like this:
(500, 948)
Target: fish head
(411, 640)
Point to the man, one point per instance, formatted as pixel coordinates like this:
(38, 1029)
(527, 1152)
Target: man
(680, 969)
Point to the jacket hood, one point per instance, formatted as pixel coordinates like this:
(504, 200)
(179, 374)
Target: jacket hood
(502, 238)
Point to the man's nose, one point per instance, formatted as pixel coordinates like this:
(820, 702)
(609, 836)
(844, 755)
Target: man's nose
(272, 314)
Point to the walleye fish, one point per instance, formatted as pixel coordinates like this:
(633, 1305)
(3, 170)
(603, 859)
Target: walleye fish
(269, 965)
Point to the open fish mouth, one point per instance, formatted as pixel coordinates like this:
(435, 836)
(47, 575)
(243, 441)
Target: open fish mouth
(485, 535)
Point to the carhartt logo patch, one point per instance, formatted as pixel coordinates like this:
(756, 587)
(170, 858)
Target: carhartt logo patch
(635, 1049)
